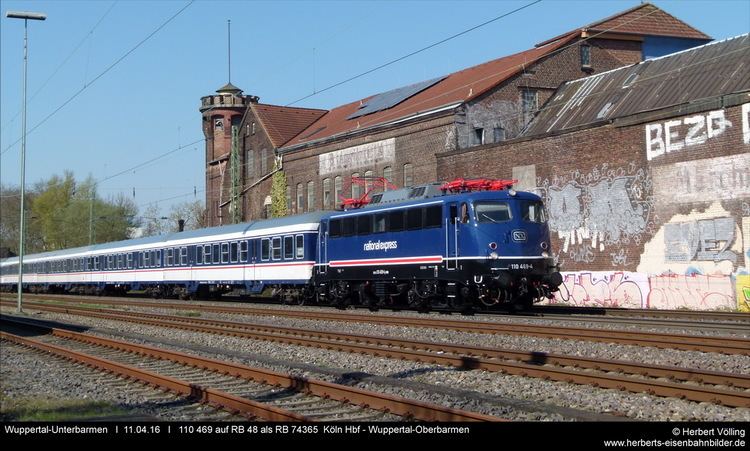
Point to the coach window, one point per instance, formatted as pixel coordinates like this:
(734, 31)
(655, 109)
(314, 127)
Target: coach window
(364, 224)
(433, 216)
(233, 247)
(170, 256)
(414, 219)
(243, 251)
(288, 247)
(265, 249)
(300, 246)
(199, 255)
(130, 260)
(183, 256)
(276, 247)
(378, 225)
(110, 264)
(348, 225)
(158, 258)
(396, 221)
(225, 252)
(334, 228)
(207, 254)
(215, 252)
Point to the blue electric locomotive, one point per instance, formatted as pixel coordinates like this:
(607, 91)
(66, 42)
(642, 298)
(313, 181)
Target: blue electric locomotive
(441, 246)
(453, 246)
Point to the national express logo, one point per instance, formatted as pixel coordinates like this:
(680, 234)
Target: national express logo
(381, 245)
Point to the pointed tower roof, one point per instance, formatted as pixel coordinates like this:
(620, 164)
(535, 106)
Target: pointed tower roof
(229, 87)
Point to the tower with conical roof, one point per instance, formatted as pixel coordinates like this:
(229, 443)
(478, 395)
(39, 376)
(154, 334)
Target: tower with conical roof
(220, 112)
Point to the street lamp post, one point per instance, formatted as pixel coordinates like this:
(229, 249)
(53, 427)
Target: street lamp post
(26, 16)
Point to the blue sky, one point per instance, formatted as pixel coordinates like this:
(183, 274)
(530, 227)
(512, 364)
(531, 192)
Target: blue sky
(281, 51)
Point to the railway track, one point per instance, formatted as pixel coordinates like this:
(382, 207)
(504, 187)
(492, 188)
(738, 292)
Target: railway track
(252, 392)
(720, 344)
(683, 319)
(697, 385)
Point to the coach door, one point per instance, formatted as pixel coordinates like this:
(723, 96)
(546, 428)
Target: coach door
(323, 247)
(452, 221)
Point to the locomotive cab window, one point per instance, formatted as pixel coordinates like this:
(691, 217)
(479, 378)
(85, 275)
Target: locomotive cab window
(492, 212)
(533, 211)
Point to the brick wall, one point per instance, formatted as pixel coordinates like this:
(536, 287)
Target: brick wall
(663, 206)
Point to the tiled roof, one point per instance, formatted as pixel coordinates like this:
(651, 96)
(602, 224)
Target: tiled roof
(456, 88)
(645, 19)
(282, 123)
(465, 85)
(683, 78)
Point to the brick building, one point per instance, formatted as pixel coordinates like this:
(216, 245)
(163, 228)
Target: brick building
(396, 134)
(645, 172)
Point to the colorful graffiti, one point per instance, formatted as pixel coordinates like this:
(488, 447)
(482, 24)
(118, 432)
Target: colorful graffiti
(693, 292)
(743, 293)
(605, 208)
(640, 290)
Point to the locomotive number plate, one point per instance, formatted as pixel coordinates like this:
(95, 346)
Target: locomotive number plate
(521, 266)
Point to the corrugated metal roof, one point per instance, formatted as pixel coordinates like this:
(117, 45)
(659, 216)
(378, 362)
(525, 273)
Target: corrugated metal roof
(712, 70)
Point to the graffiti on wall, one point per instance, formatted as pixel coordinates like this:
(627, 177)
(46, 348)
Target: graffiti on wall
(705, 240)
(678, 134)
(699, 180)
(598, 210)
(694, 292)
(640, 290)
(603, 289)
(743, 293)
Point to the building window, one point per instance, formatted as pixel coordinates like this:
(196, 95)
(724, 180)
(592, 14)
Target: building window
(249, 164)
(252, 128)
(408, 175)
(310, 196)
(477, 137)
(263, 162)
(356, 189)
(247, 129)
(388, 175)
(327, 197)
(585, 56)
(338, 189)
(498, 134)
(300, 198)
(219, 124)
(288, 199)
(368, 181)
(529, 104)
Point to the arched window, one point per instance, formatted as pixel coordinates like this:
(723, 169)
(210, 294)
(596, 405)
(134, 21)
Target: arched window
(388, 175)
(356, 189)
(327, 194)
(310, 196)
(368, 180)
(300, 198)
(288, 199)
(338, 189)
(408, 175)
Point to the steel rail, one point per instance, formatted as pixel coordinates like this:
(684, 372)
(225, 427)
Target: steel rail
(719, 344)
(211, 396)
(380, 401)
(466, 357)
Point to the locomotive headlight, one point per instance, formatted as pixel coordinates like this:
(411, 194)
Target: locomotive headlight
(512, 192)
(544, 245)
(493, 255)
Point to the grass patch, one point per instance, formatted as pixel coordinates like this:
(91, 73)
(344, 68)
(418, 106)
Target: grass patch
(41, 409)
(189, 314)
